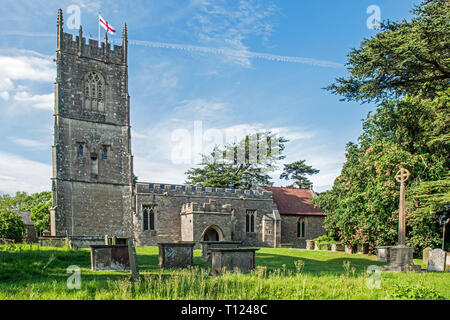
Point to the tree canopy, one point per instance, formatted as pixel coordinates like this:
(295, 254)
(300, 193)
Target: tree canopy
(405, 69)
(404, 57)
(297, 172)
(240, 165)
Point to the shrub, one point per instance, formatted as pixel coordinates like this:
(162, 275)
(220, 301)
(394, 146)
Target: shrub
(324, 242)
(11, 225)
(401, 292)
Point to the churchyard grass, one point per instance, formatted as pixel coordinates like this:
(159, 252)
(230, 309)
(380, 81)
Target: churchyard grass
(34, 272)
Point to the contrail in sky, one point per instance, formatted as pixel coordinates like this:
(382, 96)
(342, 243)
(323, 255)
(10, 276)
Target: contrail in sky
(238, 53)
(212, 50)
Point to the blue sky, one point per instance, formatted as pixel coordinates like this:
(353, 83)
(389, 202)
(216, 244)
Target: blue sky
(218, 65)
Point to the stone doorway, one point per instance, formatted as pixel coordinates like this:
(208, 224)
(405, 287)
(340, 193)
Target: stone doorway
(212, 233)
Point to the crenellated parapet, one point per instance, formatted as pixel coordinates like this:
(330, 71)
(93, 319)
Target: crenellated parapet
(188, 190)
(79, 45)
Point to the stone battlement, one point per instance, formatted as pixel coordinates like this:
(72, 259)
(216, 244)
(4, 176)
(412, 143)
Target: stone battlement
(205, 208)
(173, 189)
(110, 54)
(91, 49)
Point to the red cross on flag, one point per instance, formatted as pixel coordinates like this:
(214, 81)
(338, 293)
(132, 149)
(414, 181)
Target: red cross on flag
(109, 28)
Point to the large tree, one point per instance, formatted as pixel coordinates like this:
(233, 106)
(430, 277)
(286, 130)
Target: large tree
(404, 57)
(404, 68)
(240, 165)
(297, 172)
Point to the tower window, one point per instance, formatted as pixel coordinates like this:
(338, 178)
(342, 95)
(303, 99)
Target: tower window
(80, 150)
(105, 153)
(93, 91)
(250, 220)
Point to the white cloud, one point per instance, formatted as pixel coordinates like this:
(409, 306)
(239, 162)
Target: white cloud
(29, 143)
(25, 66)
(38, 101)
(21, 174)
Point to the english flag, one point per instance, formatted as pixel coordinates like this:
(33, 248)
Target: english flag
(109, 28)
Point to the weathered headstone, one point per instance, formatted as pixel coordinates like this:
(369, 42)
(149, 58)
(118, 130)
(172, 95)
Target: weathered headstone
(309, 244)
(383, 254)
(349, 249)
(426, 254)
(109, 257)
(436, 260)
(337, 247)
(230, 259)
(176, 254)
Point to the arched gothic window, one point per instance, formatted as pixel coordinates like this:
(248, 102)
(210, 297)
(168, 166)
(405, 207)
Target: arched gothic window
(149, 218)
(94, 91)
(301, 228)
(250, 220)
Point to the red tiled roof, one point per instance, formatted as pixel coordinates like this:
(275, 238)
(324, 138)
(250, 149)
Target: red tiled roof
(294, 201)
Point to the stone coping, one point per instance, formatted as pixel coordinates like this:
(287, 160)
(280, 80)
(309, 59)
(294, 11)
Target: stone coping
(95, 246)
(233, 249)
(177, 244)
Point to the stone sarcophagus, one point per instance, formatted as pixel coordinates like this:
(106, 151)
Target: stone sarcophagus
(110, 257)
(176, 254)
(207, 245)
(230, 259)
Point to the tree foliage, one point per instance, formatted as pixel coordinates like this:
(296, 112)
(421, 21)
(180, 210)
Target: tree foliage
(240, 165)
(405, 57)
(38, 204)
(405, 68)
(11, 225)
(297, 171)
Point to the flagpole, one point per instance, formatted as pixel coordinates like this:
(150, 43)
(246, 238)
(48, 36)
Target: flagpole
(98, 18)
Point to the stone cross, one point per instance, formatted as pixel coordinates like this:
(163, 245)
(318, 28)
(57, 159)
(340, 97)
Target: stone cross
(401, 176)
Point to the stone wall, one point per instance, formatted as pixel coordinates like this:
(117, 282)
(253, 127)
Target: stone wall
(168, 201)
(313, 229)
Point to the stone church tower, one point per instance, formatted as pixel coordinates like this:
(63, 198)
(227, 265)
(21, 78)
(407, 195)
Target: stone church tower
(92, 161)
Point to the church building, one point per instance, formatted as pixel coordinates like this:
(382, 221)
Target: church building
(92, 181)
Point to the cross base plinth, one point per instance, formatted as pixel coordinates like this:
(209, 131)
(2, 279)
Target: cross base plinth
(401, 260)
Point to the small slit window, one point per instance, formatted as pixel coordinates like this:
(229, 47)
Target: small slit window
(80, 150)
(105, 153)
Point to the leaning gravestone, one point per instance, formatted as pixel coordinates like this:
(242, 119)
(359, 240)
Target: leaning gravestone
(436, 260)
(133, 260)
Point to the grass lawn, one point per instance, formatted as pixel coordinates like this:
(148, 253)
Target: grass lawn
(34, 272)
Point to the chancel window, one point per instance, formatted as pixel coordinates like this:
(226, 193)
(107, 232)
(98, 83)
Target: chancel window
(149, 218)
(250, 220)
(94, 92)
(301, 228)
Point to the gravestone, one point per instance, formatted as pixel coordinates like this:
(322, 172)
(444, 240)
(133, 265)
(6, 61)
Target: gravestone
(309, 244)
(383, 254)
(337, 247)
(436, 260)
(176, 254)
(133, 260)
(426, 254)
(109, 257)
(349, 249)
(231, 259)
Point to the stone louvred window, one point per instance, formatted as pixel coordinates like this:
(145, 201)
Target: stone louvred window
(250, 220)
(301, 225)
(94, 92)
